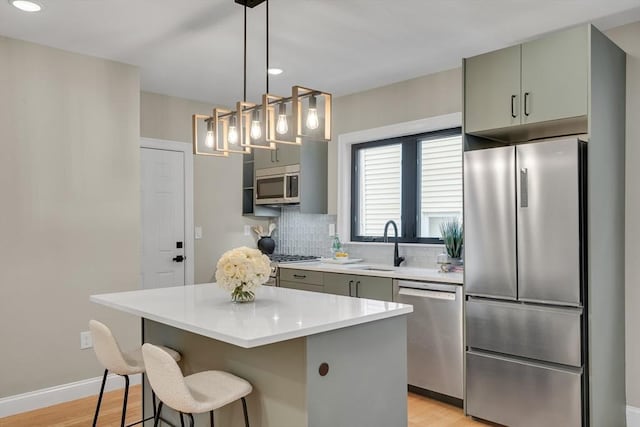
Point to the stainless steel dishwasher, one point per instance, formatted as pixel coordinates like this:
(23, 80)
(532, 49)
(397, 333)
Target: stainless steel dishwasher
(434, 335)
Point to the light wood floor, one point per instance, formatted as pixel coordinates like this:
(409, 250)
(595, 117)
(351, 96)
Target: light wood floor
(79, 413)
(423, 412)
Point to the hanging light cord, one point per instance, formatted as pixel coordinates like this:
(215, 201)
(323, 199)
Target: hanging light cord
(267, 39)
(244, 96)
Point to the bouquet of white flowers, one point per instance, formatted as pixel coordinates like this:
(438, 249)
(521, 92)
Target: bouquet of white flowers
(241, 271)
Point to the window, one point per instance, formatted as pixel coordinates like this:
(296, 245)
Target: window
(414, 180)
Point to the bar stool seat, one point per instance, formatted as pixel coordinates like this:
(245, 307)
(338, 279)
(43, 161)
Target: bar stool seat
(118, 362)
(212, 390)
(194, 394)
(135, 362)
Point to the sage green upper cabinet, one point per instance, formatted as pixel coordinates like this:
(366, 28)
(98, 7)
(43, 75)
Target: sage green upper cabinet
(492, 90)
(283, 155)
(555, 76)
(263, 158)
(523, 91)
(287, 154)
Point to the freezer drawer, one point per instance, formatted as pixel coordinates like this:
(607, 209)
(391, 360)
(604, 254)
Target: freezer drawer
(522, 394)
(490, 223)
(551, 334)
(434, 336)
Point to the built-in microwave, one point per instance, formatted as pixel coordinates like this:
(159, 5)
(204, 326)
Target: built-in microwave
(277, 186)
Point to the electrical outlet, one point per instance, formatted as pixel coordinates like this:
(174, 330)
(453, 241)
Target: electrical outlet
(332, 229)
(198, 232)
(86, 340)
(247, 230)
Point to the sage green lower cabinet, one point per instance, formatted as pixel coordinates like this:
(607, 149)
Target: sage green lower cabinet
(301, 286)
(338, 284)
(351, 285)
(379, 288)
(305, 280)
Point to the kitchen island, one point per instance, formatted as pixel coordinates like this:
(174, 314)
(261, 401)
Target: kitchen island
(279, 343)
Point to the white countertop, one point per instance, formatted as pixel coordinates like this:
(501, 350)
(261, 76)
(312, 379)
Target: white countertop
(366, 269)
(277, 314)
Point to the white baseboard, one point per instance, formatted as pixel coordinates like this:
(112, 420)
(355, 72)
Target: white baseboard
(633, 416)
(42, 398)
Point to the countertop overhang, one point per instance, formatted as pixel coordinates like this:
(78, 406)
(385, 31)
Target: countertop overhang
(277, 314)
(377, 270)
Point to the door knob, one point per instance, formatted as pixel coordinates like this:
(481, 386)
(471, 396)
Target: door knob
(179, 258)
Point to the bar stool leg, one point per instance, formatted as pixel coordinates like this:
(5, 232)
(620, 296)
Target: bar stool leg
(157, 417)
(153, 400)
(244, 409)
(126, 396)
(211, 419)
(192, 423)
(104, 380)
(181, 419)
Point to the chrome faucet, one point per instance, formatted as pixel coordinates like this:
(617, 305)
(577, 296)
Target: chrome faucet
(397, 260)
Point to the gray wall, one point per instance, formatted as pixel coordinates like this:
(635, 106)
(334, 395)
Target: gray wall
(217, 181)
(628, 38)
(69, 183)
(427, 96)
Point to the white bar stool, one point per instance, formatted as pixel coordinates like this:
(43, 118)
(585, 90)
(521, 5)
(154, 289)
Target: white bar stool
(114, 360)
(194, 394)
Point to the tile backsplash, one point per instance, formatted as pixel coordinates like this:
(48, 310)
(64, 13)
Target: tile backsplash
(303, 234)
(308, 234)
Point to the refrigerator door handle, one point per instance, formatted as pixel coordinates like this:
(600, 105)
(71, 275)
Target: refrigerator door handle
(524, 188)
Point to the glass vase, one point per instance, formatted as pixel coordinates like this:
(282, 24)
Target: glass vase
(240, 295)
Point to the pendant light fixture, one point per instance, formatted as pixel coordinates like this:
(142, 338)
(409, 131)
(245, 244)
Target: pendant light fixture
(253, 126)
(204, 124)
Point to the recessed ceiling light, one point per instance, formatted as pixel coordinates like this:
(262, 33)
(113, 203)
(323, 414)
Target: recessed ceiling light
(26, 6)
(274, 71)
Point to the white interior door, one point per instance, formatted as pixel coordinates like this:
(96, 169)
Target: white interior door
(163, 218)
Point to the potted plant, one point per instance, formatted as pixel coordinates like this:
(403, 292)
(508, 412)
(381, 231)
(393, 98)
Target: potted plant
(452, 235)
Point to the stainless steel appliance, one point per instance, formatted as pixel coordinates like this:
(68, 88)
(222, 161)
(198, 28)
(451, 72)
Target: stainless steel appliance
(525, 283)
(278, 186)
(434, 336)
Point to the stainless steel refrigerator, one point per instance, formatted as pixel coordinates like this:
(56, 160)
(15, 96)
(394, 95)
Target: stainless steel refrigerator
(525, 275)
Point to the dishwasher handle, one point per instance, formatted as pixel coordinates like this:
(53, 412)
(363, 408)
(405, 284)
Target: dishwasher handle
(425, 293)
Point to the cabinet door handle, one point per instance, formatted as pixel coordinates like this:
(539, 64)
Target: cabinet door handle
(357, 290)
(513, 106)
(300, 276)
(526, 103)
(271, 153)
(277, 159)
(350, 284)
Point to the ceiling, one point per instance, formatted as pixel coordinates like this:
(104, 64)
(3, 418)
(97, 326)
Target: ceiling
(193, 48)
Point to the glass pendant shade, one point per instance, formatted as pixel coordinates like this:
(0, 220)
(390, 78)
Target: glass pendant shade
(227, 133)
(204, 136)
(312, 121)
(233, 138)
(255, 132)
(282, 124)
(312, 113)
(279, 125)
(252, 130)
(208, 140)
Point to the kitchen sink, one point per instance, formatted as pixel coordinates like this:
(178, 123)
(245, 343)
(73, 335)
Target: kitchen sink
(371, 268)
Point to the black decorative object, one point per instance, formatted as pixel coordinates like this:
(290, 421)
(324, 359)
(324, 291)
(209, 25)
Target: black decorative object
(266, 245)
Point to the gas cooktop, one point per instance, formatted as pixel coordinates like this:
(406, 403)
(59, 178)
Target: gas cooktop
(292, 258)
